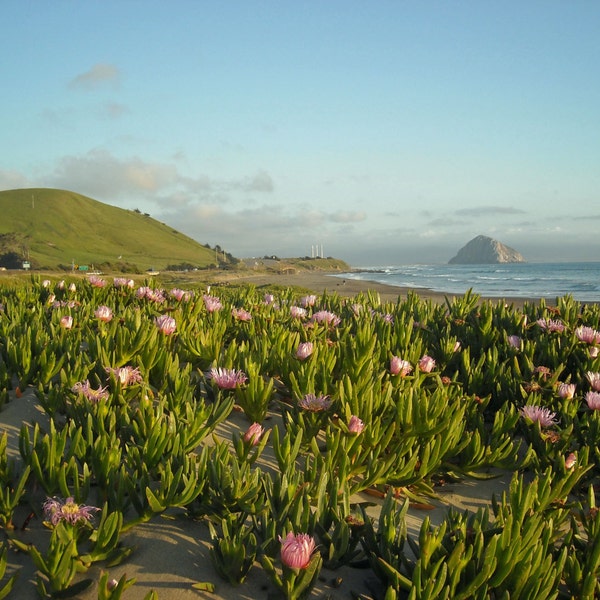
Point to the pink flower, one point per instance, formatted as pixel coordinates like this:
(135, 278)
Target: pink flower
(297, 550)
(241, 314)
(253, 434)
(570, 461)
(538, 414)
(594, 379)
(514, 341)
(313, 403)
(211, 303)
(426, 364)
(593, 351)
(121, 282)
(587, 335)
(401, 367)
(66, 322)
(326, 317)
(165, 324)
(304, 350)
(355, 425)
(56, 510)
(96, 281)
(551, 325)
(227, 379)
(567, 390)
(126, 375)
(181, 295)
(84, 388)
(46, 283)
(593, 400)
(269, 298)
(297, 312)
(103, 313)
(307, 301)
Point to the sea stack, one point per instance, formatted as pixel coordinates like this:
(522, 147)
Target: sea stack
(484, 250)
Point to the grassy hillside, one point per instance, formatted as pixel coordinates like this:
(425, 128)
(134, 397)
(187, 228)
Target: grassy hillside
(55, 227)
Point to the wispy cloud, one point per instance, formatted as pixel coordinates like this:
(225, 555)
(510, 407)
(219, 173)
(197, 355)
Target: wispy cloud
(99, 75)
(482, 211)
(12, 180)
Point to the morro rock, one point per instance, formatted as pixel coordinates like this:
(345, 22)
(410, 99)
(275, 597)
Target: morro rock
(485, 250)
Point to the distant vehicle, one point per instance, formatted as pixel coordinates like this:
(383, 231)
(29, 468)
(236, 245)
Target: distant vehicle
(151, 271)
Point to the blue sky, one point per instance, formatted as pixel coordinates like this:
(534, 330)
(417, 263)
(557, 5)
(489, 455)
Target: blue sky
(388, 132)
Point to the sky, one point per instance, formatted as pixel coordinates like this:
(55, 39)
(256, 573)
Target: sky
(382, 132)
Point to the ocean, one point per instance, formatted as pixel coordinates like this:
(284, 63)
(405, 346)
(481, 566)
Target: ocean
(509, 280)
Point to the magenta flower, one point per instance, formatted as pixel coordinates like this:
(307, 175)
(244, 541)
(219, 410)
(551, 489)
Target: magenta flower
(399, 366)
(551, 325)
(104, 313)
(304, 350)
(593, 400)
(56, 510)
(594, 379)
(326, 317)
(84, 388)
(126, 375)
(538, 414)
(426, 364)
(253, 434)
(297, 550)
(313, 403)
(514, 341)
(181, 295)
(587, 335)
(566, 390)
(241, 314)
(228, 379)
(66, 322)
(211, 303)
(96, 281)
(355, 425)
(297, 312)
(307, 301)
(123, 282)
(165, 324)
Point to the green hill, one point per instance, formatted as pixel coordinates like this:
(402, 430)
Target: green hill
(56, 228)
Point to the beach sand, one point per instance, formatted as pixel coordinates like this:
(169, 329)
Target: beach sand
(172, 552)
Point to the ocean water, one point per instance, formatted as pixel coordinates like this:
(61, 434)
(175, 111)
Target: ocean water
(512, 280)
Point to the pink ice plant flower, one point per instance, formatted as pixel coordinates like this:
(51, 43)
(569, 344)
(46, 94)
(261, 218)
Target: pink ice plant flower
(514, 341)
(126, 375)
(304, 350)
(104, 313)
(426, 364)
(399, 366)
(297, 550)
(181, 295)
(355, 425)
(551, 325)
(588, 335)
(87, 391)
(96, 281)
(165, 324)
(314, 403)
(326, 317)
(593, 400)
(269, 298)
(307, 301)
(297, 312)
(123, 282)
(212, 303)
(241, 314)
(254, 434)
(566, 390)
(57, 510)
(538, 414)
(227, 379)
(594, 379)
(66, 322)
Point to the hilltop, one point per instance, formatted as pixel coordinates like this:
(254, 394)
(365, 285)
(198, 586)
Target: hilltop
(485, 250)
(55, 228)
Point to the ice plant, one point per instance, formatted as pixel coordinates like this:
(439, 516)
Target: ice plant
(538, 414)
(587, 335)
(594, 379)
(269, 298)
(593, 400)
(123, 282)
(399, 366)
(165, 324)
(241, 314)
(104, 313)
(571, 460)
(254, 434)
(566, 390)
(297, 312)
(227, 379)
(304, 350)
(326, 317)
(212, 303)
(85, 389)
(69, 511)
(297, 550)
(66, 322)
(307, 301)
(313, 403)
(514, 341)
(426, 364)
(355, 425)
(181, 295)
(126, 375)
(551, 325)
(96, 281)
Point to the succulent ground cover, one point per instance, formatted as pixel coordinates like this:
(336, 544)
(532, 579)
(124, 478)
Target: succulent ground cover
(391, 399)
